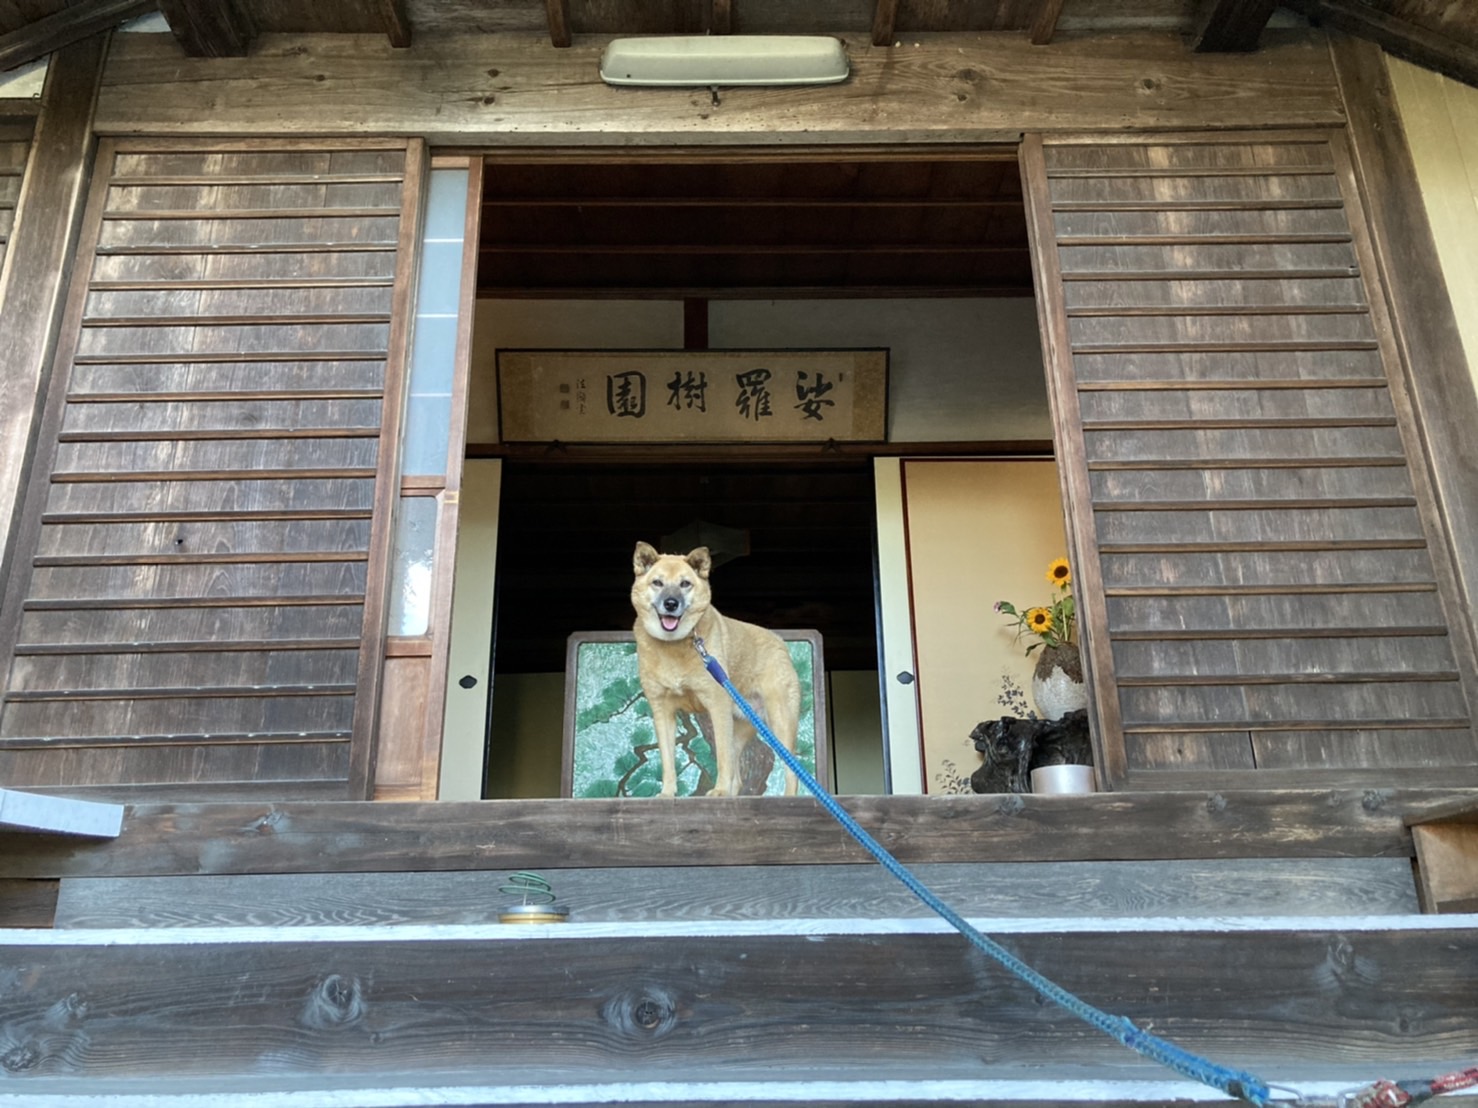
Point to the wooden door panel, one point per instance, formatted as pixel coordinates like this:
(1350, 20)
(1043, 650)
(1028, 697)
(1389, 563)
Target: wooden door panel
(200, 608)
(1262, 587)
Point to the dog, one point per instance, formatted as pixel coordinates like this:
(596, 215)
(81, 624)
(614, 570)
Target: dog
(674, 603)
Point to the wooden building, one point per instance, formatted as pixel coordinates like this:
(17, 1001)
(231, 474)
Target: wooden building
(258, 498)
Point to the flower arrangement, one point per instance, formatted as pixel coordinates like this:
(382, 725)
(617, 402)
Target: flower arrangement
(1053, 623)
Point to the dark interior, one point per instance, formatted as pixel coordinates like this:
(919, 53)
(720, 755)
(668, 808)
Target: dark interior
(567, 531)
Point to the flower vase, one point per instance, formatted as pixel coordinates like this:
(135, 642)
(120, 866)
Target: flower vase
(1057, 682)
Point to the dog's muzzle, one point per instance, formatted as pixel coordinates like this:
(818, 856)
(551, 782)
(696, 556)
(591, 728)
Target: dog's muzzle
(670, 608)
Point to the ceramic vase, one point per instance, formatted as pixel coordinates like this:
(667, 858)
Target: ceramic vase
(1057, 682)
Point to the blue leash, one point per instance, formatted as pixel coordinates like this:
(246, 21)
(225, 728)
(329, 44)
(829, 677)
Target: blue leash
(1235, 1083)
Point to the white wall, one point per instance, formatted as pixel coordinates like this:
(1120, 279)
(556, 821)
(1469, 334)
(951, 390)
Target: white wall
(1440, 117)
(958, 370)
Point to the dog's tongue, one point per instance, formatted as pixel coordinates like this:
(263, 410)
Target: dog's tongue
(669, 623)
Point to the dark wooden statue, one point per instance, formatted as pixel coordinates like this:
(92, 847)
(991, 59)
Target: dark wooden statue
(1014, 747)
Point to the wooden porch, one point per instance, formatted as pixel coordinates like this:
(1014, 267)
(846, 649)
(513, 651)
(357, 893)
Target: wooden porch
(724, 949)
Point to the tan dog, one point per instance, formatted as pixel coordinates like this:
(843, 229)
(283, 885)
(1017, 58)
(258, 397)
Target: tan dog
(672, 599)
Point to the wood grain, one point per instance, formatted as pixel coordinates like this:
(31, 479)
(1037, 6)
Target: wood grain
(1230, 887)
(218, 468)
(947, 89)
(268, 837)
(1156, 256)
(39, 249)
(1316, 999)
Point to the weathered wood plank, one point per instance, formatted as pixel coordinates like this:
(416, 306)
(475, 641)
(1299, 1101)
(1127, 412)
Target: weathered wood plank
(164, 839)
(1447, 866)
(440, 88)
(1232, 887)
(39, 253)
(1424, 324)
(28, 903)
(1312, 998)
(60, 29)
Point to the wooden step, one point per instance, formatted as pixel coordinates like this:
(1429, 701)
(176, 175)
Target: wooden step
(1294, 999)
(365, 836)
(1104, 890)
(775, 1093)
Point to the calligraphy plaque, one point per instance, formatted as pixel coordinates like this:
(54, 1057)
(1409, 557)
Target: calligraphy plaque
(657, 396)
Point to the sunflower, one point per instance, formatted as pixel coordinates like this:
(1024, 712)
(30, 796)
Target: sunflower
(1059, 573)
(1039, 620)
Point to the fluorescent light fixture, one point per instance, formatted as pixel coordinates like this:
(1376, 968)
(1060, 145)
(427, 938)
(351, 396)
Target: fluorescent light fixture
(725, 60)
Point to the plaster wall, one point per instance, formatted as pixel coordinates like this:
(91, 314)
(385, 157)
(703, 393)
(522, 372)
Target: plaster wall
(1440, 116)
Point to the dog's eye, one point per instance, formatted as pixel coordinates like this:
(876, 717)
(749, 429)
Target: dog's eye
(685, 583)
(656, 582)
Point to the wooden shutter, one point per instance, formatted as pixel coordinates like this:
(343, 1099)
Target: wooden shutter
(198, 606)
(15, 149)
(1265, 588)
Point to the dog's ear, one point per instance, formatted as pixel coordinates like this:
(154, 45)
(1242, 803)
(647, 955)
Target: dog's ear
(644, 558)
(700, 561)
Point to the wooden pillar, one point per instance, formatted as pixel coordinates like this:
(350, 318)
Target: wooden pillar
(33, 287)
(1422, 313)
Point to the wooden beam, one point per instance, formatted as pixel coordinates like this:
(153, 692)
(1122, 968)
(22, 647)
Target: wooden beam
(558, 14)
(721, 17)
(908, 1000)
(208, 28)
(1421, 310)
(397, 22)
(314, 85)
(1234, 25)
(39, 261)
(884, 15)
(1219, 888)
(1044, 25)
(72, 24)
(350, 836)
(1446, 54)
(695, 323)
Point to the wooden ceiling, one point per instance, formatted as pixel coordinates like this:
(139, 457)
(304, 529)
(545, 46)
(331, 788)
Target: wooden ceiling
(645, 225)
(1439, 34)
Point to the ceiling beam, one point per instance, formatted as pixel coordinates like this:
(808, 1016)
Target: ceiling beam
(397, 23)
(1443, 53)
(72, 24)
(1234, 25)
(1044, 26)
(559, 21)
(884, 15)
(209, 28)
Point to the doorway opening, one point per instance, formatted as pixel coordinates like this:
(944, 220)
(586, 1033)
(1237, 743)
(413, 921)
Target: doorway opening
(923, 253)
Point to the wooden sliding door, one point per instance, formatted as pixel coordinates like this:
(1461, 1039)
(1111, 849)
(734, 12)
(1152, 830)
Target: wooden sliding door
(1265, 587)
(198, 603)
